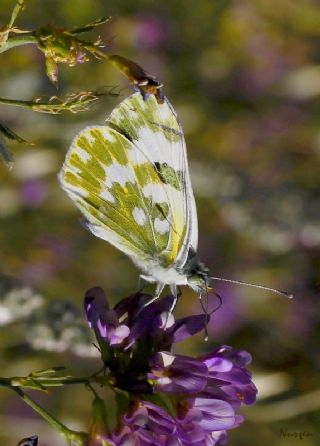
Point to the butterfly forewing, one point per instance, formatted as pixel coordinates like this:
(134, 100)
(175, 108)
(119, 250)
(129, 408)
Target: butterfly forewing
(130, 179)
(154, 128)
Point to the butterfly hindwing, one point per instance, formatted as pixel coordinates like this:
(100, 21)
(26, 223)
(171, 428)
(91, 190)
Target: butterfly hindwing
(130, 180)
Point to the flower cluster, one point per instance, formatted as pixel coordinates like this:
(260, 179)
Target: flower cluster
(61, 46)
(173, 399)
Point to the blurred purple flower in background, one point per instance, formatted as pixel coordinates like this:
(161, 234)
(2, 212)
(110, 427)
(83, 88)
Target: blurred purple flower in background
(151, 32)
(230, 315)
(33, 193)
(202, 394)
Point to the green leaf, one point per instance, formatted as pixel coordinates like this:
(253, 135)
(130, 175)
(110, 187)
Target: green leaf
(30, 383)
(10, 134)
(16, 10)
(5, 153)
(90, 26)
(50, 371)
(7, 133)
(122, 403)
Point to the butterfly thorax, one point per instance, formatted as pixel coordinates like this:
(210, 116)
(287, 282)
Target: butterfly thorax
(192, 273)
(154, 272)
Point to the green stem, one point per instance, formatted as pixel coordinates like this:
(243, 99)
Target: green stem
(36, 106)
(72, 437)
(30, 381)
(73, 103)
(18, 40)
(18, 103)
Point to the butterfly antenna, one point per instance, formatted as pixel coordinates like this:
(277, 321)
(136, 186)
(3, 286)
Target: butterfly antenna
(239, 282)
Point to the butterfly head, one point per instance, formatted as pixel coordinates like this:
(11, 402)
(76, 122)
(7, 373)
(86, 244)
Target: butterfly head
(199, 282)
(197, 273)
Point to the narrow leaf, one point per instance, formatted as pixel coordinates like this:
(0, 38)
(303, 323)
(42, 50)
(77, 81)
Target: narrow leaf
(48, 371)
(16, 10)
(5, 153)
(7, 133)
(90, 26)
(10, 134)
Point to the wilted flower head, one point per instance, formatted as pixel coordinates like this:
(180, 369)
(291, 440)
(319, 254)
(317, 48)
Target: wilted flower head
(63, 46)
(135, 340)
(59, 46)
(143, 81)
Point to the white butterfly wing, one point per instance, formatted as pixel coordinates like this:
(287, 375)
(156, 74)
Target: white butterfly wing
(157, 132)
(130, 179)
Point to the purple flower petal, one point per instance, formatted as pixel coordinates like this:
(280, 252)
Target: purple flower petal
(173, 440)
(235, 376)
(102, 328)
(186, 327)
(164, 321)
(177, 373)
(149, 416)
(240, 358)
(216, 414)
(119, 334)
(245, 394)
(215, 364)
(103, 320)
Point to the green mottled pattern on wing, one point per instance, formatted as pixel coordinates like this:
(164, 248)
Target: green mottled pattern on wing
(135, 113)
(86, 178)
(129, 180)
(154, 128)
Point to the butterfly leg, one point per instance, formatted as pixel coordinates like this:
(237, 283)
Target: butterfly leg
(173, 289)
(141, 283)
(159, 290)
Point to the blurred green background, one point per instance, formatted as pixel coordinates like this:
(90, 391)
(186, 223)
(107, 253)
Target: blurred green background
(244, 78)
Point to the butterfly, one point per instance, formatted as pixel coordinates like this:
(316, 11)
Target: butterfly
(131, 181)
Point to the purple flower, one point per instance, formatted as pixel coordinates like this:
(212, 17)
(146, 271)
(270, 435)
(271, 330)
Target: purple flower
(227, 376)
(33, 193)
(206, 413)
(148, 424)
(203, 393)
(151, 32)
(103, 320)
(177, 374)
(150, 417)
